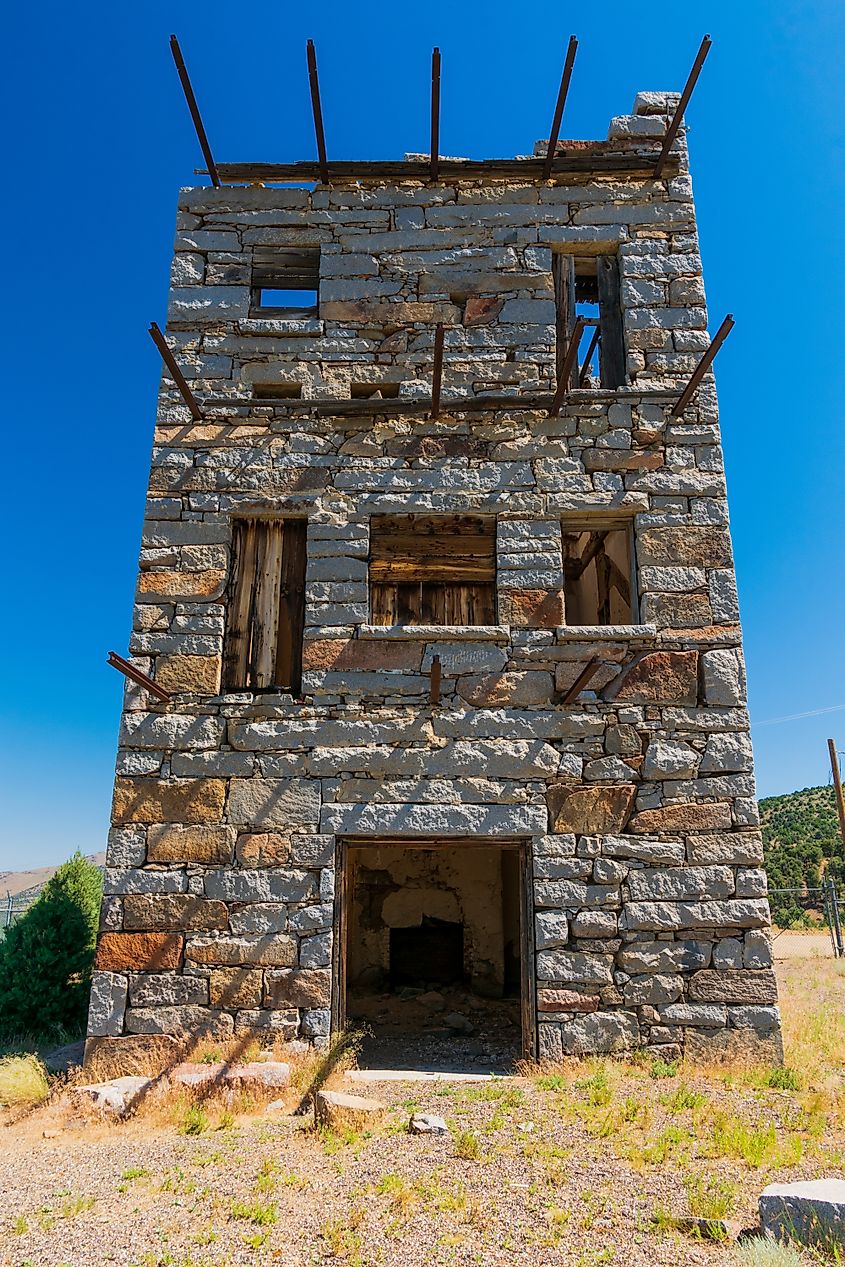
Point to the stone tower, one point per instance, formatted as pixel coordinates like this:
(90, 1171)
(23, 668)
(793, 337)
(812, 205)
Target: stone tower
(457, 695)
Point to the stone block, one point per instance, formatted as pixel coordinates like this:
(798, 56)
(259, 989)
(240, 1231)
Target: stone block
(732, 1047)
(721, 678)
(600, 1033)
(170, 730)
(670, 759)
(274, 802)
(661, 677)
(681, 884)
(157, 587)
(262, 849)
(188, 674)
(670, 916)
(691, 816)
(260, 917)
(684, 546)
(594, 924)
(586, 810)
(302, 987)
(158, 801)
(698, 1015)
(652, 851)
(727, 754)
(573, 968)
(173, 912)
(652, 989)
(138, 952)
(235, 987)
(761, 1019)
(551, 929)
(362, 654)
(207, 846)
(732, 986)
(811, 1212)
(519, 690)
(179, 1020)
(129, 1054)
(140, 880)
(664, 956)
(267, 950)
(566, 1001)
(336, 1111)
(316, 952)
(531, 608)
(107, 1004)
(729, 848)
(117, 1097)
(167, 989)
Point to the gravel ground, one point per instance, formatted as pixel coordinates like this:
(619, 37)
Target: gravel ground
(566, 1169)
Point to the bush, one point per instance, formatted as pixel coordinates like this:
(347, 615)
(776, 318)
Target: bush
(23, 1081)
(46, 957)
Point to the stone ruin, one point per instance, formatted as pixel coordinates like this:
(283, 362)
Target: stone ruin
(452, 677)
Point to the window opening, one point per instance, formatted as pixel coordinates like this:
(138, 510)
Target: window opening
(588, 286)
(286, 282)
(374, 391)
(265, 606)
(598, 570)
(277, 391)
(432, 570)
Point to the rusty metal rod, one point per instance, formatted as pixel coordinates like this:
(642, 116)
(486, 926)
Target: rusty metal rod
(677, 117)
(195, 112)
(434, 153)
(128, 670)
(568, 363)
(590, 350)
(437, 371)
(703, 366)
(837, 783)
(322, 158)
(434, 685)
(175, 372)
(561, 102)
(589, 671)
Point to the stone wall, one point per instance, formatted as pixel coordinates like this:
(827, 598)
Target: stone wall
(651, 924)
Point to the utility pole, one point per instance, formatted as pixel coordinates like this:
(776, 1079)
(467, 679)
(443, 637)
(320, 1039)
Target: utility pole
(837, 783)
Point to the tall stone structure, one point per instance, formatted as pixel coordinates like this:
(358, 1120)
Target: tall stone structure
(459, 685)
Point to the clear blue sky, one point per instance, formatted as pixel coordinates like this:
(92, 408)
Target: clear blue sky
(100, 141)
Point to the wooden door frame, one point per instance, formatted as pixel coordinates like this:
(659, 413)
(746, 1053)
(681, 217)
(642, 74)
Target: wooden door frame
(527, 962)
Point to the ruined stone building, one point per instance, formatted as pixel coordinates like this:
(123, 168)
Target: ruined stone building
(457, 695)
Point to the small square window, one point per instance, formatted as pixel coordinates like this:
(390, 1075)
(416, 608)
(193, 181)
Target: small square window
(598, 572)
(374, 391)
(588, 286)
(432, 570)
(286, 282)
(277, 391)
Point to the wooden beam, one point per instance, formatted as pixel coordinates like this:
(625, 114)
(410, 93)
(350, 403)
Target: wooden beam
(434, 687)
(437, 372)
(128, 670)
(837, 783)
(175, 372)
(675, 121)
(703, 366)
(561, 102)
(577, 567)
(317, 109)
(590, 350)
(566, 369)
(434, 152)
(587, 673)
(182, 71)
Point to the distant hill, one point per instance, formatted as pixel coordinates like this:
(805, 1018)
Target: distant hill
(30, 883)
(801, 843)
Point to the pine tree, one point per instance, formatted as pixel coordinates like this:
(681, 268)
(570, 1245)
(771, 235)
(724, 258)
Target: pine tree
(46, 957)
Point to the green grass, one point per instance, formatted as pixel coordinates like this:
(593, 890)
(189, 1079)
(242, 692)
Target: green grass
(195, 1121)
(23, 1082)
(255, 1212)
(467, 1146)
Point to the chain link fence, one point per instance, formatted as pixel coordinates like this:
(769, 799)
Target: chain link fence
(13, 907)
(824, 899)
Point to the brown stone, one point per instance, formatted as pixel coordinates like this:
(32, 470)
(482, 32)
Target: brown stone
(236, 987)
(379, 313)
(131, 1055)
(686, 546)
(262, 849)
(689, 816)
(298, 987)
(189, 674)
(174, 584)
(568, 671)
(733, 985)
(209, 846)
(590, 809)
(173, 912)
(361, 653)
(500, 690)
(669, 677)
(534, 608)
(732, 1047)
(480, 310)
(138, 952)
(566, 1001)
(273, 950)
(337, 1111)
(622, 460)
(154, 801)
(679, 611)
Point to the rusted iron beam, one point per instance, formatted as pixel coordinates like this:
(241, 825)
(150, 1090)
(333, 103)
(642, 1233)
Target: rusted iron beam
(561, 102)
(585, 368)
(568, 365)
(437, 372)
(322, 158)
(128, 670)
(703, 366)
(175, 372)
(434, 152)
(434, 684)
(182, 71)
(677, 117)
(587, 673)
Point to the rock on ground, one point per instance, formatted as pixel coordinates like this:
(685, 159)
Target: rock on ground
(337, 1110)
(812, 1213)
(118, 1096)
(427, 1124)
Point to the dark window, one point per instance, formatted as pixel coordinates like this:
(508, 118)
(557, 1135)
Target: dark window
(276, 391)
(374, 391)
(265, 606)
(432, 570)
(598, 571)
(588, 286)
(286, 281)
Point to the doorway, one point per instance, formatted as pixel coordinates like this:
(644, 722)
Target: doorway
(433, 952)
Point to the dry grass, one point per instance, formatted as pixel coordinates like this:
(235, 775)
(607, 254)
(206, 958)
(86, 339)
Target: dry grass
(23, 1082)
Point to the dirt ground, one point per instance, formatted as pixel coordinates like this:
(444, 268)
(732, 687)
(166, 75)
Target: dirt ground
(579, 1166)
(794, 944)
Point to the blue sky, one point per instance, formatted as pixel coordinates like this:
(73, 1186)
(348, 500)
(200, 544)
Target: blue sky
(100, 143)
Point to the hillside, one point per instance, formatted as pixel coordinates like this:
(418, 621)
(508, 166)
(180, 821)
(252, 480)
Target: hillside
(30, 883)
(802, 843)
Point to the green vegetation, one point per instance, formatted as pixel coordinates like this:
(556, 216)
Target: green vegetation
(23, 1081)
(46, 957)
(801, 844)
